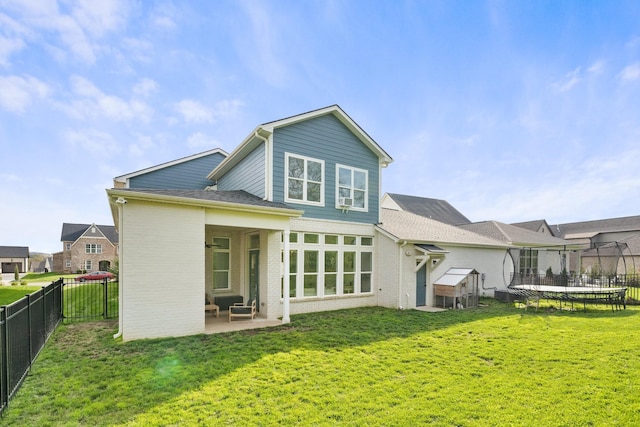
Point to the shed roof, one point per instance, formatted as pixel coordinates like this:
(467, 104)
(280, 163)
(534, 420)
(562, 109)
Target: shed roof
(454, 276)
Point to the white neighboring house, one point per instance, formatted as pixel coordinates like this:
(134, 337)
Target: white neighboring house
(416, 251)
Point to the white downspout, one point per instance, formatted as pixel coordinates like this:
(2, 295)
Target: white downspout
(120, 202)
(285, 279)
(400, 267)
(267, 166)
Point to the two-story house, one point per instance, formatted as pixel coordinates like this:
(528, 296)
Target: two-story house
(86, 248)
(293, 207)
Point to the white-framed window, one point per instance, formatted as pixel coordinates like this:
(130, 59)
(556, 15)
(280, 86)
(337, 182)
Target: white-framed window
(221, 262)
(67, 263)
(352, 184)
(304, 180)
(342, 266)
(88, 265)
(68, 246)
(92, 248)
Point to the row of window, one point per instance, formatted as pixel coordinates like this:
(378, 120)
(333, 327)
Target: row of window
(305, 183)
(319, 264)
(329, 264)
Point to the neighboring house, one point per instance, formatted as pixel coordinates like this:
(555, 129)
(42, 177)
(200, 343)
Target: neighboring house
(539, 226)
(533, 252)
(86, 247)
(601, 240)
(298, 200)
(439, 210)
(619, 257)
(12, 256)
(43, 266)
(188, 173)
(415, 251)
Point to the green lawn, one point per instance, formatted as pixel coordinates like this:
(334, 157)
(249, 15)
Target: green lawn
(494, 366)
(45, 277)
(9, 294)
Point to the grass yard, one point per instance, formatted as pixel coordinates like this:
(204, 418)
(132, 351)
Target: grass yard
(497, 365)
(9, 294)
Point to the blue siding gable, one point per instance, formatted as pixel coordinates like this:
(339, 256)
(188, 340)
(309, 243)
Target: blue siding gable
(326, 138)
(248, 174)
(188, 175)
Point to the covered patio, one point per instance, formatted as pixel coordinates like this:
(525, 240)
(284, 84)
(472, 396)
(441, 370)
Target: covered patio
(221, 324)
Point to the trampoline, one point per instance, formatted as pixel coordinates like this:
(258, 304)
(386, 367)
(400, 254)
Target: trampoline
(614, 296)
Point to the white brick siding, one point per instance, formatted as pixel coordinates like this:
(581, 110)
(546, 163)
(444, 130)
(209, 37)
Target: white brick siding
(162, 275)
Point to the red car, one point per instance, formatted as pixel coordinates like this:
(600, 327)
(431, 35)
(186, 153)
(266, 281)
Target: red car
(96, 275)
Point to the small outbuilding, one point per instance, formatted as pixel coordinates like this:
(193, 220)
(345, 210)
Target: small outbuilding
(457, 288)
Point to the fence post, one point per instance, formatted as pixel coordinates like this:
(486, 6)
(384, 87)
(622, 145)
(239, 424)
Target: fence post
(5, 357)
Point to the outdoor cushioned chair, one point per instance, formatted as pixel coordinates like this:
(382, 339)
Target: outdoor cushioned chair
(240, 310)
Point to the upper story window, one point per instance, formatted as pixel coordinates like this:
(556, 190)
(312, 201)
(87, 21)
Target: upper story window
(92, 248)
(304, 180)
(352, 185)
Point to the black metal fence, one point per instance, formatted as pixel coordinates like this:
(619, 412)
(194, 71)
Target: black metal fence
(25, 326)
(89, 300)
(630, 281)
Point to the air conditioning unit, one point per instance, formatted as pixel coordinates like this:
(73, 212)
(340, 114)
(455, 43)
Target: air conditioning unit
(345, 201)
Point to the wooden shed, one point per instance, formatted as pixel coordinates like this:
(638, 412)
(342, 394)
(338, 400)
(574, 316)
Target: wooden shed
(457, 288)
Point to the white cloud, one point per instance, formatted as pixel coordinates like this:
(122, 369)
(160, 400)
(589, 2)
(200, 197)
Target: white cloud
(200, 140)
(597, 67)
(17, 93)
(92, 102)
(630, 72)
(569, 80)
(78, 27)
(164, 22)
(7, 47)
(194, 112)
(93, 141)
(145, 87)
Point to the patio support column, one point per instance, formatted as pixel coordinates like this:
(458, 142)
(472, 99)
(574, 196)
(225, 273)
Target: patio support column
(285, 279)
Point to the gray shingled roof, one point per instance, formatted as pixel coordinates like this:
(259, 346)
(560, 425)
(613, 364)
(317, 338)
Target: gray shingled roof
(415, 228)
(514, 235)
(14, 252)
(237, 196)
(531, 225)
(439, 210)
(628, 223)
(72, 232)
(628, 246)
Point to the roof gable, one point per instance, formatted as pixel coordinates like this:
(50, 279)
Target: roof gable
(439, 210)
(208, 158)
(72, 232)
(628, 223)
(261, 133)
(418, 229)
(514, 235)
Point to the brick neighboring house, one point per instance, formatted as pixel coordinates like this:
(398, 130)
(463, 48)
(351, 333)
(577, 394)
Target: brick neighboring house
(86, 247)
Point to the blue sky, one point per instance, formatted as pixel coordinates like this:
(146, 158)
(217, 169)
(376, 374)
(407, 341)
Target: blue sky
(511, 111)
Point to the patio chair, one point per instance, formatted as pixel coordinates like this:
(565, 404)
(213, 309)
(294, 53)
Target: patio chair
(241, 310)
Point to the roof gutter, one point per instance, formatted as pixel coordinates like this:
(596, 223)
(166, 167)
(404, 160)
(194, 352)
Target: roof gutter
(186, 201)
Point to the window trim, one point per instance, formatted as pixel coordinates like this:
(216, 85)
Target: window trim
(304, 200)
(351, 188)
(213, 263)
